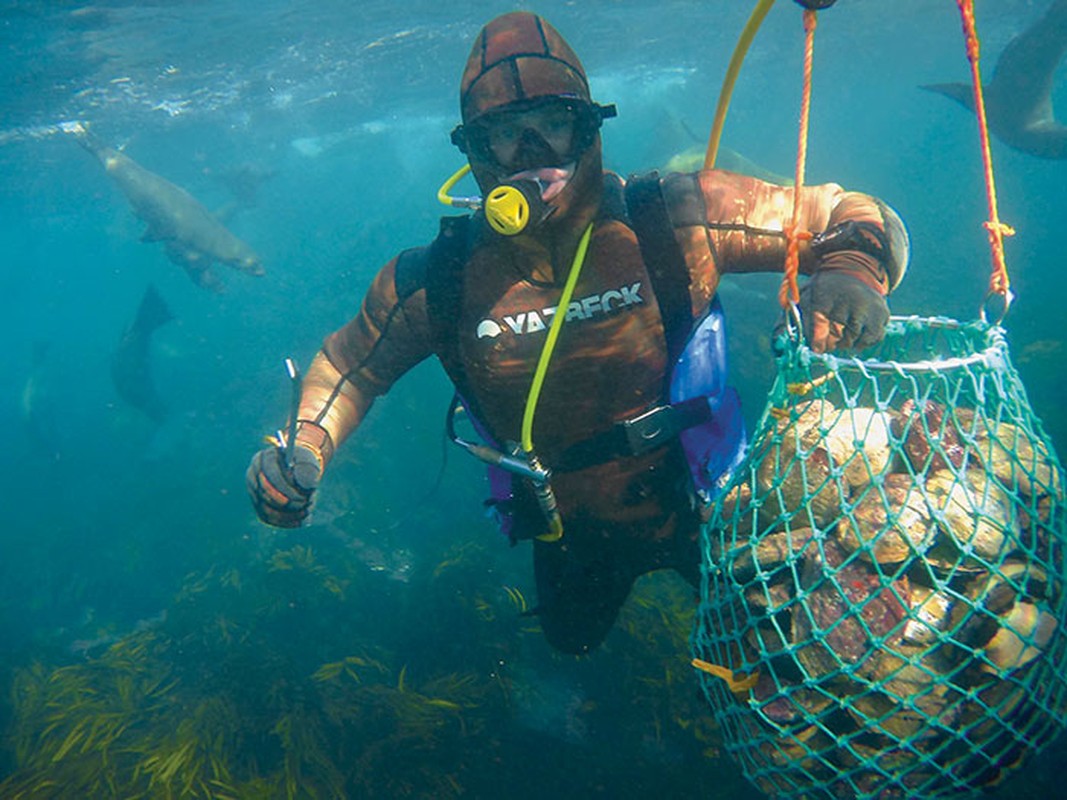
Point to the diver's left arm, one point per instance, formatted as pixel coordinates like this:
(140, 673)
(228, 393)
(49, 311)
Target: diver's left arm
(726, 222)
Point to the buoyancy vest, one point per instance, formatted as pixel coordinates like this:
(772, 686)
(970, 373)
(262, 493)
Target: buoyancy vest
(699, 412)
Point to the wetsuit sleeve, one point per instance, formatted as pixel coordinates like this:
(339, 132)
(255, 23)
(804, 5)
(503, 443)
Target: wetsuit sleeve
(361, 361)
(725, 222)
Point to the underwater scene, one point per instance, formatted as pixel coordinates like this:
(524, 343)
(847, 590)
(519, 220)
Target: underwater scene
(194, 192)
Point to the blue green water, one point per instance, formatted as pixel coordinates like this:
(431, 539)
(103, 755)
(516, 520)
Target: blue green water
(118, 530)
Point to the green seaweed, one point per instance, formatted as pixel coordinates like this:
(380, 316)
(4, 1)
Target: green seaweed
(230, 698)
(277, 679)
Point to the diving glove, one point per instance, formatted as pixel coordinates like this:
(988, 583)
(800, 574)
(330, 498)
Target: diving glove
(840, 310)
(281, 494)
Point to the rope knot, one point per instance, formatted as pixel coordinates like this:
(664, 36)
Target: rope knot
(998, 228)
(789, 291)
(970, 35)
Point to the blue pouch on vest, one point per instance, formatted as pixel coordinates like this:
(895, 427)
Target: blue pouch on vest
(714, 448)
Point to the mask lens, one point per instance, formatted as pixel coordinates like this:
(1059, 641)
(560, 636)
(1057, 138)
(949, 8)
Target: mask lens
(558, 126)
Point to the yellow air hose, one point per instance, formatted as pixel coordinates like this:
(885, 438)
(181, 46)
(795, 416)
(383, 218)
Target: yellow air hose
(446, 199)
(526, 439)
(732, 71)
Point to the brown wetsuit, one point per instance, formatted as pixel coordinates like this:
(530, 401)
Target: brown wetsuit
(632, 514)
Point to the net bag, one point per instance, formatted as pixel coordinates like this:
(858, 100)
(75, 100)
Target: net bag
(884, 578)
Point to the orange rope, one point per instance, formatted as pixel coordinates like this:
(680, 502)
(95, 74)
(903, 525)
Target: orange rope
(998, 281)
(789, 292)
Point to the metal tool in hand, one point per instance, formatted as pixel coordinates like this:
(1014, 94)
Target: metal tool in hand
(288, 439)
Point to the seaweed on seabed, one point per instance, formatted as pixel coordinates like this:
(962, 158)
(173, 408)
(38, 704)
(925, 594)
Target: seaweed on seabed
(408, 736)
(111, 728)
(654, 628)
(260, 683)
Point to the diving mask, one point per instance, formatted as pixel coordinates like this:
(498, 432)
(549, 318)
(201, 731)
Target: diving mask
(544, 131)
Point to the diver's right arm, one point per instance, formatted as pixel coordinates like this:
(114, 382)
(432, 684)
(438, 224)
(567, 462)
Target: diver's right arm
(358, 362)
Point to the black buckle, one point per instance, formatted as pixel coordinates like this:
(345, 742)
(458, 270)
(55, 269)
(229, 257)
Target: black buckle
(866, 237)
(633, 437)
(650, 430)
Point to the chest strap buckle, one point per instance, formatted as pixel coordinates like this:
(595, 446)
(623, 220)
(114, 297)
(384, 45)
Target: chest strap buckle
(659, 425)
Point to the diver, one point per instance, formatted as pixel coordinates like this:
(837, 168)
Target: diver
(576, 314)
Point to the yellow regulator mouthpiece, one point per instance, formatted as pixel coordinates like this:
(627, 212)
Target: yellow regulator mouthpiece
(507, 210)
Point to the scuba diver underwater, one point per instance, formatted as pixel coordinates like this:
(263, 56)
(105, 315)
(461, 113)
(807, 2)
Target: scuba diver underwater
(576, 314)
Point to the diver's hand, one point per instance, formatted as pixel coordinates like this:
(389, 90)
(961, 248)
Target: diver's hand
(281, 496)
(840, 309)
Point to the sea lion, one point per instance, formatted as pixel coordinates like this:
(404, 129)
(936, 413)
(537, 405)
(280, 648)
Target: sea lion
(1018, 99)
(131, 371)
(194, 238)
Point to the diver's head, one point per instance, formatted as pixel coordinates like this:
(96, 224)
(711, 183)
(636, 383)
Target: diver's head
(528, 115)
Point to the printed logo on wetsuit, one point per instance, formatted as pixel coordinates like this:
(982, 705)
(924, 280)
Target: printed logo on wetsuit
(535, 320)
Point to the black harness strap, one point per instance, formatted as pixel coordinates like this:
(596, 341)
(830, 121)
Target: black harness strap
(411, 268)
(439, 269)
(444, 288)
(448, 255)
(636, 436)
(647, 211)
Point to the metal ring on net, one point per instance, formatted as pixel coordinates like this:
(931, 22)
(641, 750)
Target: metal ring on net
(992, 355)
(792, 327)
(1006, 298)
(889, 568)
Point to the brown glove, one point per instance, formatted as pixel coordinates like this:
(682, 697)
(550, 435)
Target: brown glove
(840, 309)
(282, 495)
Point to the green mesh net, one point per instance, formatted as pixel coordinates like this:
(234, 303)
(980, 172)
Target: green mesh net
(887, 571)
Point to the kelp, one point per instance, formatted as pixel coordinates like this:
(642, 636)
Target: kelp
(657, 622)
(304, 675)
(229, 698)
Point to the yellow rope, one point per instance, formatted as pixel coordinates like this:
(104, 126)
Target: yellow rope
(736, 685)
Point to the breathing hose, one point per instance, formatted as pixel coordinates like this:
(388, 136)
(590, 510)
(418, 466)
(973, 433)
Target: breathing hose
(732, 71)
(545, 498)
